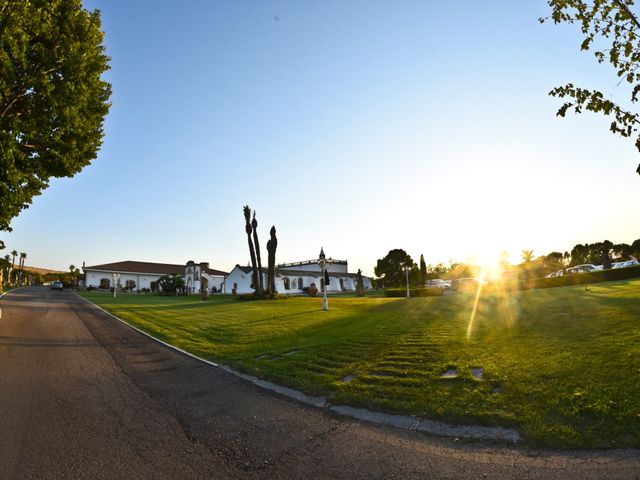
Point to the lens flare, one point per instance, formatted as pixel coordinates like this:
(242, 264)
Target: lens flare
(475, 302)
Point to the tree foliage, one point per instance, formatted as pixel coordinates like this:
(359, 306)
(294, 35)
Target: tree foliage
(52, 98)
(423, 270)
(612, 31)
(171, 284)
(390, 269)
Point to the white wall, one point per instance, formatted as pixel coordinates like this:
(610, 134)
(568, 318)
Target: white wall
(143, 280)
(239, 278)
(314, 267)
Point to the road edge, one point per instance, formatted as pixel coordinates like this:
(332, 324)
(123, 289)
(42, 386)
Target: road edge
(402, 422)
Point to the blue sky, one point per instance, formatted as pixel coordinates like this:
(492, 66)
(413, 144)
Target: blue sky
(359, 126)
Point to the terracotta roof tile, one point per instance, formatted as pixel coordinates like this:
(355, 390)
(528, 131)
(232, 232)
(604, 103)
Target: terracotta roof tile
(140, 267)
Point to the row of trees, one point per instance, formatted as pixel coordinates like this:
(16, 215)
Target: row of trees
(9, 274)
(391, 269)
(603, 253)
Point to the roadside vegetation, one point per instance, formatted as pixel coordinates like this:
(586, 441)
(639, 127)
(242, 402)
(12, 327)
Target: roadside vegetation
(562, 365)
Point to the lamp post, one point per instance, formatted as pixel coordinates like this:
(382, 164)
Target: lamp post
(323, 262)
(406, 271)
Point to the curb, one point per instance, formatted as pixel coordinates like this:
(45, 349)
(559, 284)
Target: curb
(402, 422)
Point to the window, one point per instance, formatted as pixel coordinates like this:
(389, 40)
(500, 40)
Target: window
(130, 285)
(286, 283)
(300, 283)
(105, 283)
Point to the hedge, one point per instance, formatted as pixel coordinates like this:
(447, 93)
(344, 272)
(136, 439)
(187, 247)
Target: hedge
(415, 292)
(582, 278)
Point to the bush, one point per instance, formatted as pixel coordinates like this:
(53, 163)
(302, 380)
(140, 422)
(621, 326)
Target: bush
(415, 292)
(252, 296)
(582, 278)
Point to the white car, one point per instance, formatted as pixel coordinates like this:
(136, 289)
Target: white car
(628, 263)
(437, 283)
(587, 267)
(557, 273)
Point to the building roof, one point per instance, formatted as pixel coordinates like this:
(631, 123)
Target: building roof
(131, 266)
(299, 273)
(213, 271)
(309, 262)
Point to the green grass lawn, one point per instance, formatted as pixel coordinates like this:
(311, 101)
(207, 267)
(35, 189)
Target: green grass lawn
(562, 365)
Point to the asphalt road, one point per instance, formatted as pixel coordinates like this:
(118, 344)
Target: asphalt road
(85, 397)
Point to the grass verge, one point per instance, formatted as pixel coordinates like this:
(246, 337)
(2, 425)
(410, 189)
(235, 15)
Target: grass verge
(562, 365)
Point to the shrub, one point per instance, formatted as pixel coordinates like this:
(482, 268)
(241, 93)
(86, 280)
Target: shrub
(415, 292)
(582, 278)
(252, 296)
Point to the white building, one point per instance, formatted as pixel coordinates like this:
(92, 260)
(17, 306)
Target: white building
(195, 274)
(295, 278)
(145, 275)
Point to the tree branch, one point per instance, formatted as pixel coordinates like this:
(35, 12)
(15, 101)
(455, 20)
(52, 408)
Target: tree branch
(623, 6)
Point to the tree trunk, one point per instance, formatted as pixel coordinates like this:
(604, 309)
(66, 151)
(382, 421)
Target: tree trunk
(248, 229)
(252, 252)
(254, 225)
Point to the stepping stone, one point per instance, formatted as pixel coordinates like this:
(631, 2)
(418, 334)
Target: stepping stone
(348, 378)
(451, 373)
(288, 354)
(477, 373)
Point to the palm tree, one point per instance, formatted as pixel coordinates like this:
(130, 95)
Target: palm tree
(23, 257)
(248, 228)
(527, 256)
(4, 270)
(76, 273)
(72, 267)
(14, 253)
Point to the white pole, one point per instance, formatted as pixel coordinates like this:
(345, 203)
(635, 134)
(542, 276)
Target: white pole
(407, 272)
(325, 304)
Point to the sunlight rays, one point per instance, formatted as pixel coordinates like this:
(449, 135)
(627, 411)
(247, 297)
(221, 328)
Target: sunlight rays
(475, 302)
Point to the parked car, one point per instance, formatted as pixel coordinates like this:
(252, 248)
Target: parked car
(437, 283)
(466, 284)
(557, 273)
(628, 263)
(587, 267)
(57, 285)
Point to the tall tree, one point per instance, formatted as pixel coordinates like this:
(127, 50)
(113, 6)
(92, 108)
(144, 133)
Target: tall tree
(579, 254)
(527, 256)
(14, 254)
(52, 99)
(614, 30)
(72, 268)
(254, 227)
(423, 270)
(390, 269)
(248, 229)
(607, 248)
(23, 257)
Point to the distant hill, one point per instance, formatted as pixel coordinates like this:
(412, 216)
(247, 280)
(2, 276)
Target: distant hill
(41, 271)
